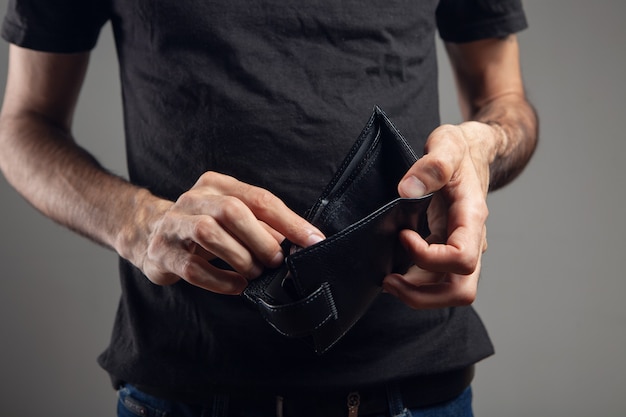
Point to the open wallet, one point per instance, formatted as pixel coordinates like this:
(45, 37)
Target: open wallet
(321, 291)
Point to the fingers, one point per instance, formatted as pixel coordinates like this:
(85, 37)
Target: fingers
(195, 269)
(422, 289)
(445, 274)
(183, 246)
(267, 208)
(225, 227)
(447, 263)
(221, 217)
(456, 217)
(458, 253)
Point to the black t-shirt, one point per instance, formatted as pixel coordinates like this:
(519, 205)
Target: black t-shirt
(273, 93)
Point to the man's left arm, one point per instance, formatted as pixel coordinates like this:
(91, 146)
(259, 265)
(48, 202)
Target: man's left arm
(461, 164)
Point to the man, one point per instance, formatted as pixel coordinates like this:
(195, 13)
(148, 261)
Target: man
(236, 116)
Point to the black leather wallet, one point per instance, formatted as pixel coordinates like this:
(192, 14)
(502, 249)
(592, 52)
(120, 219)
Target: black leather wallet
(323, 290)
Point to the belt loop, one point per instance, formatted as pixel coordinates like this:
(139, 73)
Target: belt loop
(220, 405)
(280, 401)
(394, 400)
(354, 401)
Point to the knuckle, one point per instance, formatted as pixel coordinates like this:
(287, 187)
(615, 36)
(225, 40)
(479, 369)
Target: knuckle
(232, 208)
(152, 273)
(483, 210)
(156, 246)
(443, 130)
(187, 198)
(204, 230)
(242, 262)
(467, 262)
(261, 199)
(453, 135)
(164, 279)
(208, 177)
(231, 205)
(251, 272)
(477, 216)
(187, 269)
(158, 275)
(437, 169)
(449, 134)
(465, 297)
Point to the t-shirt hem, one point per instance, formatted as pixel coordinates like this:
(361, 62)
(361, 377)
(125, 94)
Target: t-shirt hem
(484, 29)
(45, 42)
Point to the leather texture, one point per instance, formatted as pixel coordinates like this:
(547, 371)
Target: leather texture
(323, 290)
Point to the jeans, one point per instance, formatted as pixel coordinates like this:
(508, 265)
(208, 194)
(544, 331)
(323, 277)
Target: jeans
(134, 403)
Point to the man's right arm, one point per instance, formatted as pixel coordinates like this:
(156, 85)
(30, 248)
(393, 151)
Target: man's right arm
(39, 156)
(219, 217)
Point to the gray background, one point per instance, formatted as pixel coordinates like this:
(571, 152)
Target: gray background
(553, 282)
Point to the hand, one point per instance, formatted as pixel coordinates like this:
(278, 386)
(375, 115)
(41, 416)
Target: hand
(447, 263)
(220, 217)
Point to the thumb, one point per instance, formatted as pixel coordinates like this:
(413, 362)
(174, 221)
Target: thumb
(411, 187)
(429, 174)
(444, 153)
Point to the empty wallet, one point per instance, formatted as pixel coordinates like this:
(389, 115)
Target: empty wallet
(321, 291)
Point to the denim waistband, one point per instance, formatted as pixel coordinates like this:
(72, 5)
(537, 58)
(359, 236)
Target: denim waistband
(418, 392)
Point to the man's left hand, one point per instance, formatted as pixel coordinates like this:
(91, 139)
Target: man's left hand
(447, 263)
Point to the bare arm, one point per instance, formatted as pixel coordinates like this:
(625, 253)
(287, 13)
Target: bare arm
(491, 91)
(40, 157)
(219, 217)
(461, 164)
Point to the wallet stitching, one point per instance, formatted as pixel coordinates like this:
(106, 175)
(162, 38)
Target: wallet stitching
(297, 304)
(345, 163)
(358, 177)
(360, 173)
(343, 233)
(346, 329)
(325, 291)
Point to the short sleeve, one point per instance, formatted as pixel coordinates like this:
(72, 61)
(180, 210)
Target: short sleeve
(470, 20)
(63, 26)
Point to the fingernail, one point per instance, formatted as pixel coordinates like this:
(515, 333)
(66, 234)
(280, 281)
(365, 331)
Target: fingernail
(278, 259)
(412, 187)
(390, 289)
(256, 271)
(314, 238)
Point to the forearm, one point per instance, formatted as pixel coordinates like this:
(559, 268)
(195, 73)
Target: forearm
(491, 91)
(516, 133)
(219, 217)
(44, 164)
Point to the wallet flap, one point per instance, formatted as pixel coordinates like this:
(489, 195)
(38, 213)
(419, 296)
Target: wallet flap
(304, 316)
(353, 263)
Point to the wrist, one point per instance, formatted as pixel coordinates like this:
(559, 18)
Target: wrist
(485, 140)
(132, 240)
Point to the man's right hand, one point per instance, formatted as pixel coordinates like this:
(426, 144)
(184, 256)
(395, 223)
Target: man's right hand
(219, 217)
